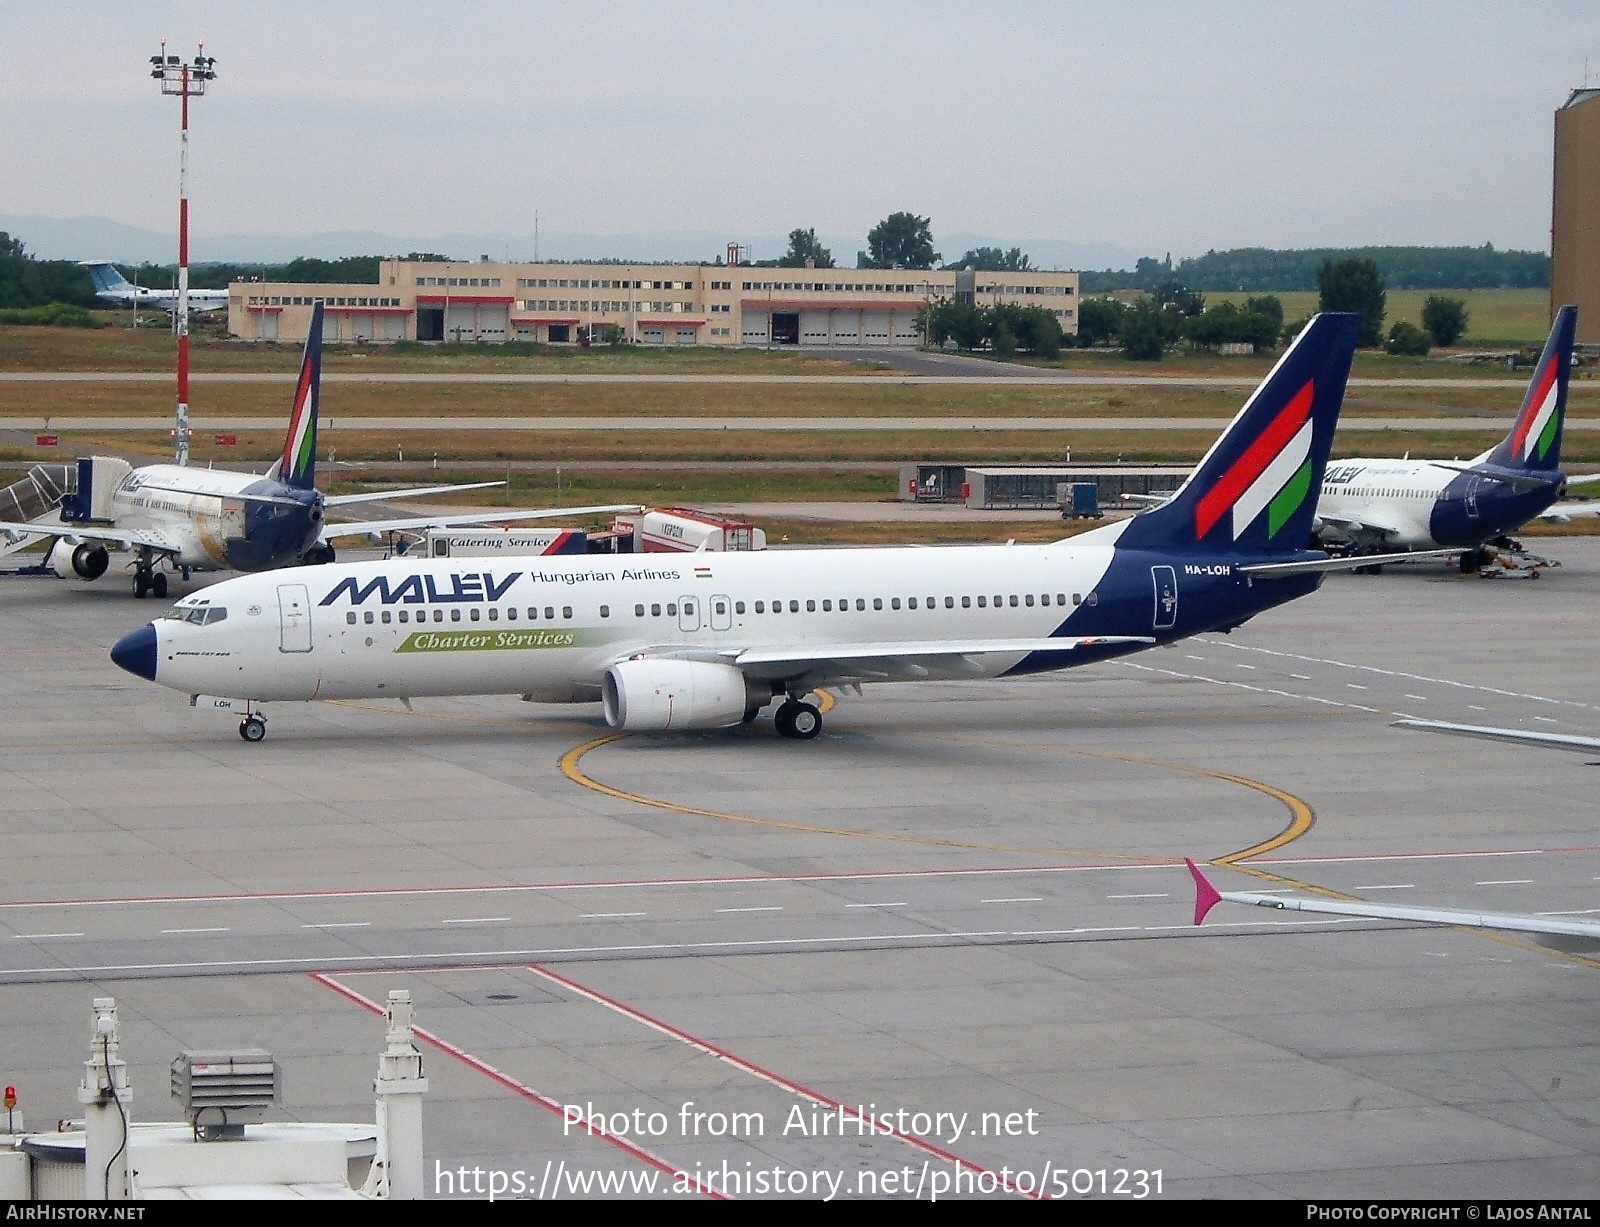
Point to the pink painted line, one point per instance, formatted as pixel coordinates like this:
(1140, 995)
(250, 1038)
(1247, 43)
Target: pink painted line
(775, 1079)
(521, 1088)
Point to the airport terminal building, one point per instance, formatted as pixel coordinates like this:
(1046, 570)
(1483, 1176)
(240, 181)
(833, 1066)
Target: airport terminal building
(646, 304)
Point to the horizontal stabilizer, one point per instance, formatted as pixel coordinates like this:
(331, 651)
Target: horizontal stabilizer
(378, 496)
(277, 500)
(417, 524)
(1283, 570)
(1521, 481)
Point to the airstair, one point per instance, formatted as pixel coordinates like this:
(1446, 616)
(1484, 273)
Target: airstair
(33, 498)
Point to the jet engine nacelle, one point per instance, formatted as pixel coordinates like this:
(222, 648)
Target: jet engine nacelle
(87, 560)
(653, 696)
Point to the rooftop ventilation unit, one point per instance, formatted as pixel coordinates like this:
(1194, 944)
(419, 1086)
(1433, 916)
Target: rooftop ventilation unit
(222, 1092)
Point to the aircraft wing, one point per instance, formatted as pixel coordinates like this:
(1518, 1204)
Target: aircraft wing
(1552, 741)
(1562, 513)
(417, 524)
(1357, 528)
(121, 537)
(1282, 570)
(868, 661)
(1582, 481)
(1567, 933)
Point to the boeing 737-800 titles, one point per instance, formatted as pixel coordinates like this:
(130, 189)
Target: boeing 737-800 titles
(214, 519)
(1375, 506)
(707, 641)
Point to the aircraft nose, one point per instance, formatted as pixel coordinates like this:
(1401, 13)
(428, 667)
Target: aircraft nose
(136, 652)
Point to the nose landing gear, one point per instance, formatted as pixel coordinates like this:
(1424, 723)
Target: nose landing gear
(253, 727)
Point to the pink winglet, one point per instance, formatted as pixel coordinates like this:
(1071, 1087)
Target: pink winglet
(1205, 894)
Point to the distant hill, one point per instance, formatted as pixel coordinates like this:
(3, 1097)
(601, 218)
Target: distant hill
(1262, 269)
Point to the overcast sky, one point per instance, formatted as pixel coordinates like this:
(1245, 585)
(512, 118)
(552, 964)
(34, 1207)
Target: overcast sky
(1156, 126)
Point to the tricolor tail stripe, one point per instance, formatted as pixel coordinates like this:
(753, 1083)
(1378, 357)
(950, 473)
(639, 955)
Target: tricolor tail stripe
(297, 466)
(300, 444)
(1537, 429)
(1267, 466)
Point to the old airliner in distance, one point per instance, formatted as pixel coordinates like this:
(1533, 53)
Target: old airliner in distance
(195, 519)
(708, 640)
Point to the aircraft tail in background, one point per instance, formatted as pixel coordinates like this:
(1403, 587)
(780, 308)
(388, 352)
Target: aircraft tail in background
(297, 466)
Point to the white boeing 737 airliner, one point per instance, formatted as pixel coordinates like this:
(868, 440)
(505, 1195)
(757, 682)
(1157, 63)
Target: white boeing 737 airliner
(708, 640)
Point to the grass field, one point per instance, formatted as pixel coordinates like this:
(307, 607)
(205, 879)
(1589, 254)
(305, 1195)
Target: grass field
(1496, 319)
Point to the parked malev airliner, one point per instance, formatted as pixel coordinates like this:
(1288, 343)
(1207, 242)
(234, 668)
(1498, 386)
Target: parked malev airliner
(709, 640)
(1374, 506)
(196, 519)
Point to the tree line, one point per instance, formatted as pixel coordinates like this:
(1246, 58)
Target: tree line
(1251, 269)
(1145, 328)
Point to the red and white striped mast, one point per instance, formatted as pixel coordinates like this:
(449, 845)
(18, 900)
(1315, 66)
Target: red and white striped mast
(186, 81)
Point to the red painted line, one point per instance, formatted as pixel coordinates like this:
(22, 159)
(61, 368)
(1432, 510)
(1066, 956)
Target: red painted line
(521, 1088)
(777, 1079)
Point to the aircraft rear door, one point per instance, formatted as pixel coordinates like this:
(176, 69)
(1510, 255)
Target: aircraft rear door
(294, 618)
(1166, 585)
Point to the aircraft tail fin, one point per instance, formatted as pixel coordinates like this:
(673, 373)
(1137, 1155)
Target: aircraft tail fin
(105, 276)
(1535, 439)
(298, 465)
(1255, 491)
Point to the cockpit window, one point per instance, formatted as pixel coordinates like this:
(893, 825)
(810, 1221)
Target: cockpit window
(198, 615)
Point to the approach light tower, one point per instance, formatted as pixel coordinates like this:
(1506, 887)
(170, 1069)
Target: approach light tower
(186, 81)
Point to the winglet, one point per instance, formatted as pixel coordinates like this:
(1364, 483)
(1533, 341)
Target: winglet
(1205, 894)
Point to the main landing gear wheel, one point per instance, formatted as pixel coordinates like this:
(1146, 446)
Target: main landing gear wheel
(797, 721)
(252, 728)
(158, 585)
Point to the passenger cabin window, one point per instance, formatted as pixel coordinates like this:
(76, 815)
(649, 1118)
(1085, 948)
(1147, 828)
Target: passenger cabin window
(349, 617)
(877, 602)
(455, 615)
(605, 611)
(761, 607)
(566, 611)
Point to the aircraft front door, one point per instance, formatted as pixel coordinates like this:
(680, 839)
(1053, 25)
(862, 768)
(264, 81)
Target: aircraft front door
(294, 618)
(1166, 585)
(689, 613)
